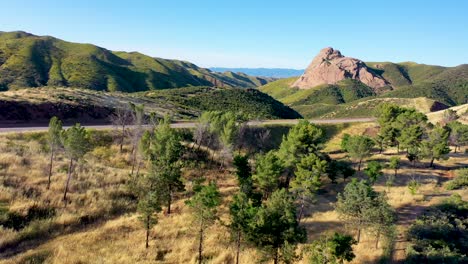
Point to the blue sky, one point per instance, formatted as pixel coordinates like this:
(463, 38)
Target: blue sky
(254, 33)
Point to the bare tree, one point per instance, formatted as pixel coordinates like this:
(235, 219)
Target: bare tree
(122, 118)
(138, 119)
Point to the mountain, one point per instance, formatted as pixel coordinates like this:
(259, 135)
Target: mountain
(330, 67)
(27, 60)
(334, 86)
(264, 72)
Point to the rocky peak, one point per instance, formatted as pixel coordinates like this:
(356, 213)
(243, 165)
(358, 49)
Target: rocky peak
(330, 67)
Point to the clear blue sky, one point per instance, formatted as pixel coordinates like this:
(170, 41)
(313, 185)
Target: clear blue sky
(255, 33)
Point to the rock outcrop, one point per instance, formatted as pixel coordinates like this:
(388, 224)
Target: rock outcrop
(330, 67)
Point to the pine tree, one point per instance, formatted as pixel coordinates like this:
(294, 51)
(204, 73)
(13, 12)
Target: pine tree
(242, 211)
(165, 156)
(54, 140)
(302, 139)
(373, 171)
(149, 205)
(353, 203)
(204, 209)
(267, 175)
(76, 144)
(436, 146)
(359, 147)
(331, 249)
(275, 229)
(307, 180)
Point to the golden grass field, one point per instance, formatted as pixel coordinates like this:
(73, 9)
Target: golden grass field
(99, 225)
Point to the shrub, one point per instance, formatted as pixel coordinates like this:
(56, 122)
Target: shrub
(460, 180)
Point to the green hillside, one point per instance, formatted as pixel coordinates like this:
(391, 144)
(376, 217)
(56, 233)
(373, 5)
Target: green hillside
(27, 60)
(443, 86)
(84, 105)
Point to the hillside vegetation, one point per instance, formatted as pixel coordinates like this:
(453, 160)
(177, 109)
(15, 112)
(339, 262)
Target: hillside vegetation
(91, 196)
(441, 86)
(83, 105)
(27, 60)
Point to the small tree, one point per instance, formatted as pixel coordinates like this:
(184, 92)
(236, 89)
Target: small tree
(204, 209)
(275, 229)
(54, 140)
(353, 203)
(373, 171)
(458, 134)
(344, 142)
(244, 174)
(165, 156)
(242, 211)
(138, 118)
(449, 115)
(307, 180)
(267, 173)
(332, 249)
(148, 207)
(302, 139)
(76, 144)
(121, 118)
(436, 146)
(359, 148)
(381, 217)
(339, 168)
(394, 164)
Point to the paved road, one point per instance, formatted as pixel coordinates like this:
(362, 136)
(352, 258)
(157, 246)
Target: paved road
(193, 124)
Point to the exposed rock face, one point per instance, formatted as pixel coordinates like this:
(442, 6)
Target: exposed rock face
(329, 67)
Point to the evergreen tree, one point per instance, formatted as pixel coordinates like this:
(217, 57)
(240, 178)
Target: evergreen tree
(204, 209)
(242, 211)
(394, 164)
(458, 134)
(436, 146)
(76, 144)
(148, 207)
(373, 171)
(165, 155)
(359, 147)
(344, 142)
(54, 140)
(354, 202)
(381, 217)
(307, 180)
(302, 139)
(275, 229)
(267, 175)
(334, 249)
(244, 174)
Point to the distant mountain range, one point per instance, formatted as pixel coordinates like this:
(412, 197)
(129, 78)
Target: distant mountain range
(27, 60)
(262, 72)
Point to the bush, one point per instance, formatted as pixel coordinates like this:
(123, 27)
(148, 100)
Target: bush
(439, 236)
(18, 221)
(460, 180)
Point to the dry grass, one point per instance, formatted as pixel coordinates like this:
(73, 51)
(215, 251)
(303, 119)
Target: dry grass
(100, 226)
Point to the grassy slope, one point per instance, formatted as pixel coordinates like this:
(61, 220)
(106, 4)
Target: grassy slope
(32, 61)
(100, 224)
(180, 103)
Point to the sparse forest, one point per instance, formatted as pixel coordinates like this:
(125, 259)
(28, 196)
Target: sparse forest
(225, 191)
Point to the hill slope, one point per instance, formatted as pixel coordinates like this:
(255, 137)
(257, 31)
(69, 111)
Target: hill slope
(88, 106)
(27, 60)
